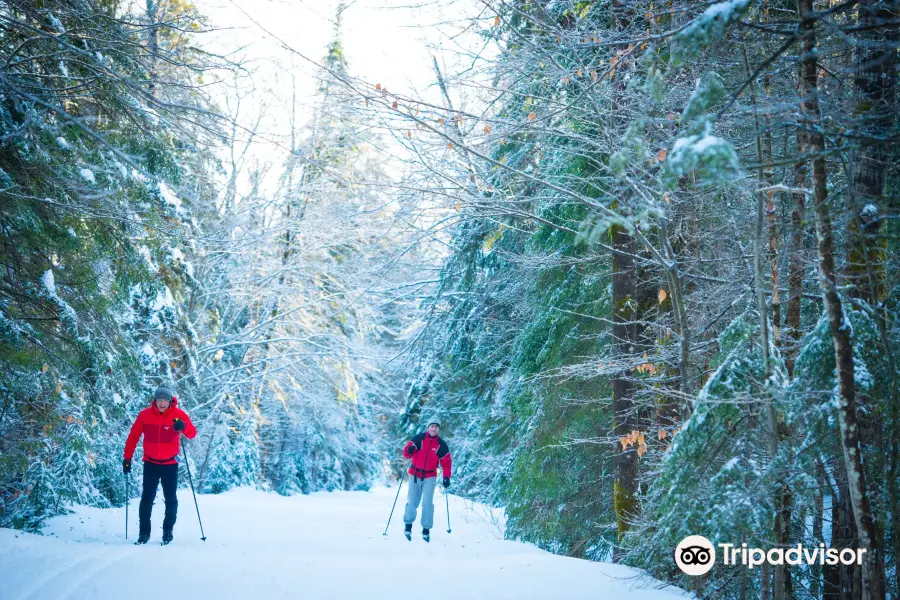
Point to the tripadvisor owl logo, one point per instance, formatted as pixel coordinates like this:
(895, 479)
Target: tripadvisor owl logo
(695, 555)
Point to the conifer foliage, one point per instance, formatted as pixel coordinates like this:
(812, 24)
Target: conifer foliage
(133, 255)
(90, 215)
(670, 304)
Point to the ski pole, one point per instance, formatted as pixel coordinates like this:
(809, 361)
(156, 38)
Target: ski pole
(395, 505)
(447, 498)
(126, 506)
(184, 451)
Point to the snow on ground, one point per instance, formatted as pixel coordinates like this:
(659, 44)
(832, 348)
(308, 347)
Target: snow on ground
(320, 546)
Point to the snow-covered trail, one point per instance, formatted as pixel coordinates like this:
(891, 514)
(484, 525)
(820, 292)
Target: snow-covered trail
(325, 545)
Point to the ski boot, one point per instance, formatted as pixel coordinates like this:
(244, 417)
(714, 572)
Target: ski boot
(426, 535)
(167, 536)
(407, 531)
(142, 539)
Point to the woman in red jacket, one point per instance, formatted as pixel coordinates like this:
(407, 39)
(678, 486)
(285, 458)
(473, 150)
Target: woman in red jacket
(161, 425)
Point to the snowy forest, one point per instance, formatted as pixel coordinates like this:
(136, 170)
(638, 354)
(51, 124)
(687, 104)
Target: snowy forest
(639, 257)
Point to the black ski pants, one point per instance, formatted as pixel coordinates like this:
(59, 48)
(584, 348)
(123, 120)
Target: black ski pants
(153, 475)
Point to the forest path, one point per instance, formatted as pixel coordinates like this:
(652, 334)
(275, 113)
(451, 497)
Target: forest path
(320, 546)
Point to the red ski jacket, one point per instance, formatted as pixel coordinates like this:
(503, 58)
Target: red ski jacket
(432, 451)
(161, 441)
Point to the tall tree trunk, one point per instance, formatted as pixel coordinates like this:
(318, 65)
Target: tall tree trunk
(677, 298)
(625, 338)
(153, 43)
(669, 405)
(795, 269)
(841, 582)
(783, 535)
(815, 585)
(768, 178)
(874, 114)
(840, 329)
(875, 111)
(765, 581)
(627, 333)
(831, 577)
(765, 204)
(850, 575)
(893, 466)
(743, 589)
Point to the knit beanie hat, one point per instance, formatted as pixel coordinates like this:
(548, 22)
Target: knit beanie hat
(162, 393)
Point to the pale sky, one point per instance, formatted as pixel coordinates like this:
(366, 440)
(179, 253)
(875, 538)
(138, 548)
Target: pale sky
(386, 41)
(382, 40)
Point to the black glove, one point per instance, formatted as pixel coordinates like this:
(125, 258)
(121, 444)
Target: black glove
(126, 465)
(178, 425)
(446, 482)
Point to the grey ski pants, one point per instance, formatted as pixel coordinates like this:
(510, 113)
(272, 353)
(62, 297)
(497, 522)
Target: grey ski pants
(420, 490)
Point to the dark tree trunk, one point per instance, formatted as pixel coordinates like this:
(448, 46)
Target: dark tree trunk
(795, 268)
(875, 112)
(831, 576)
(840, 329)
(875, 62)
(815, 584)
(626, 335)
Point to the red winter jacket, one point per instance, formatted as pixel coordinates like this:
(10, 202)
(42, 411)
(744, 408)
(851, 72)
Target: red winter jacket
(161, 441)
(433, 451)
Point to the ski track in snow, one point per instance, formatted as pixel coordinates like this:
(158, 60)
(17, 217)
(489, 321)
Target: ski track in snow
(46, 578)
(321, 546)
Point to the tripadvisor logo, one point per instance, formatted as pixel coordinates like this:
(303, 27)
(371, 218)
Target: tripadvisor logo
(696, 555)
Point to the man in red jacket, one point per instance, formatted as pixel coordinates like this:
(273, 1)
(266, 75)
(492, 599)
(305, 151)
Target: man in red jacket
(426, 450)
(161, 424)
